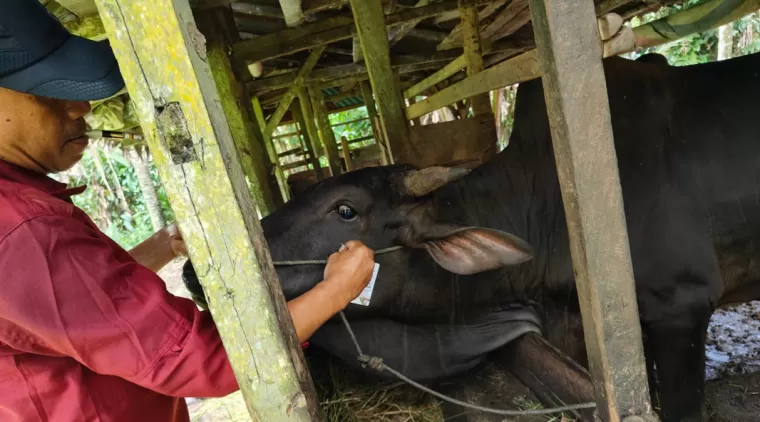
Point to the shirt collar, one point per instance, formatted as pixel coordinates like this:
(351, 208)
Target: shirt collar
(36, 180)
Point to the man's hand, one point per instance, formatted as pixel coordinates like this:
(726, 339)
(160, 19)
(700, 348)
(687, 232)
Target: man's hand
(176, 241)
(349, 270)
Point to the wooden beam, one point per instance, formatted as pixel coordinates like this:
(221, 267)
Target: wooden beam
(167, 75)
(454, 38)
(282, 182)
(218, 26)
(291, 10)
(519, 69)
(336, 28)
(570, 56)
(703, 17)
(551, 375)
(325, 130)
(257, 10)
(346, 152)
(441, 75)
(509, 20)
(473, 53)
(81, 8)
(298, 83)
(374, 39)
(308, 142)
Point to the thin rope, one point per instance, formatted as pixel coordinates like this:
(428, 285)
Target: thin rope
(324, 261)
(377, 364)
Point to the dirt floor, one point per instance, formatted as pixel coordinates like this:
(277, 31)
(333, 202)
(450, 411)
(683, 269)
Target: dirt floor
(733, 395)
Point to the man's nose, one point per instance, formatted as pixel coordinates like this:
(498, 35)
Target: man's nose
(77, 109)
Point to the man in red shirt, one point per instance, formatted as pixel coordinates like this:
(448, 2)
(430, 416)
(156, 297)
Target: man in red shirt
(88, 331)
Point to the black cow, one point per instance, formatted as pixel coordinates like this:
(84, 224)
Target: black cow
(488, 255)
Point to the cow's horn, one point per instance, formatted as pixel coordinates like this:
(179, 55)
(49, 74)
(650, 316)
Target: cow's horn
(422, 182)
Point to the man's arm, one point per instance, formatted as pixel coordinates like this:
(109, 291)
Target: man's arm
(159, 249)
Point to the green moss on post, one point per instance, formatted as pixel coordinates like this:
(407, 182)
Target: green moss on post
(163, 58)
(325, 130)
(218, 26)
(473, 52)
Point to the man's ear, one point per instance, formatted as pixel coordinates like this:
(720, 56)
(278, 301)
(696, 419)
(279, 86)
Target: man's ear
(470, 250)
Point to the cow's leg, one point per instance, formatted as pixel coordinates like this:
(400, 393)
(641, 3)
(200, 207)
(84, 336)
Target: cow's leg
(675, 349)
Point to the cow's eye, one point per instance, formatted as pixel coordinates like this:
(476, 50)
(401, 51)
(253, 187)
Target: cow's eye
(345, 212)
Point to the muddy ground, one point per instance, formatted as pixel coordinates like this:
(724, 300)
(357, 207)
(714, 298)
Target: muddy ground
(733, 366)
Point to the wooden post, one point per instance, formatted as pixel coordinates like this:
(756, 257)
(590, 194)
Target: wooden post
(163, 59)
(308, 142)
(325, 130)
(369, 102)
(570, 56)
(370, 27)
(346, 153)
(218, 26)
(311, 128)
(473, 53)
(258, 113)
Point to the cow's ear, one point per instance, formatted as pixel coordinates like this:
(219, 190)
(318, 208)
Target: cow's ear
(471, 250)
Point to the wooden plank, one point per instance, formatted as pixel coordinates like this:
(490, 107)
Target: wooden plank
(473, 54)
(519, 69)
(368, 16)
(512, 18)
(291, 10)
(308, 142)
(346, 153)
(218, 26)
(298, 83)
(553, 377)
(163, 61)
(282, 182)
(336, 28)
(325, 130)
(441, 75)
(569, 50)
(311, 129)
(438, 144)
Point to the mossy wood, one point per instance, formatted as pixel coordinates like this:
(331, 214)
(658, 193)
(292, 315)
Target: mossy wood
(579, 117)
(218, 26)
(163, 58)
(261, 123)
(373, 35)
(325, 130)
(473, 53)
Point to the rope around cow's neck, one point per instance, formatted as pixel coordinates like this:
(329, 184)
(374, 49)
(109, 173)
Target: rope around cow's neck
(377, 363)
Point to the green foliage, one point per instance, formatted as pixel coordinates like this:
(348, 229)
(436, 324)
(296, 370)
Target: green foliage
(103, 205)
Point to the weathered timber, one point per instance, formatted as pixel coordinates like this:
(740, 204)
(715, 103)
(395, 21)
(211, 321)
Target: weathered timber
(473, 53)
(81, 8)
(374, 39)
(397, 33)
(512, 18)
(470, 140)
(291, 10)
(708, 15)
(257, 10)
(519, 69)
(441, 75)
(282, 182)
(163, 59)
(575, 89)
(553, 377)
(325, 130)
(346, 153)
(369, 102)
(336, 28)
(298, 83)
(307, 141)
(609, 25)
(309, 122)
(454, 38)
(218, 26)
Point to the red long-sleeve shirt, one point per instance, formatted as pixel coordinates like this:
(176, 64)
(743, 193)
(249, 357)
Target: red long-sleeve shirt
(86, 333)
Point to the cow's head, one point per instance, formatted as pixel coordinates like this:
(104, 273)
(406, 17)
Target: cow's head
(382, 207)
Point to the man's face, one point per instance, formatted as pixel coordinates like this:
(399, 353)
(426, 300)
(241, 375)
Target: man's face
(42, 134)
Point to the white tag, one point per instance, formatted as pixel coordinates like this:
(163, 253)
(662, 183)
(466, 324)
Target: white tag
(366, 294)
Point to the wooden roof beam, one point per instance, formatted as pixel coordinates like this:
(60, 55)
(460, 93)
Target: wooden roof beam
(292, 11)
(336, 28)
(261, 10)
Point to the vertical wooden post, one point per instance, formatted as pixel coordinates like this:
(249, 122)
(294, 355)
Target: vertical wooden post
(308, 143)
(218, 26)
(325, 130)
(570, 55)
(370, 27)
(308, 116)
(377, 132)
(473, 52)
(346, 153)
(164, 63)
(261, 124)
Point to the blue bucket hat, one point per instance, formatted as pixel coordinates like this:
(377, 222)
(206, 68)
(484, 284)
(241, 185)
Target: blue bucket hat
(39, 56)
